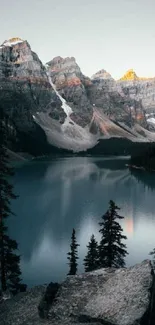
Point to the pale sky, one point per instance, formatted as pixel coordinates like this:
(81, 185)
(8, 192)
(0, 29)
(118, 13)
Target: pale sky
(114, 35)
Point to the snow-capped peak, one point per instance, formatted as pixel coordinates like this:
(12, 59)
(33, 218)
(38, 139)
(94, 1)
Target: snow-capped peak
(12, 41)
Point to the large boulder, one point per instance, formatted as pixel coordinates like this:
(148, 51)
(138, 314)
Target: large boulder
(107, 296)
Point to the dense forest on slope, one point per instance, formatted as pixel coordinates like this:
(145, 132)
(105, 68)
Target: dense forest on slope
(145, 158)
(118, 146)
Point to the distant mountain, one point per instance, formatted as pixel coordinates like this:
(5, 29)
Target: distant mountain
(130, 75)
(25, 87)
(141, 90)
(56, 105)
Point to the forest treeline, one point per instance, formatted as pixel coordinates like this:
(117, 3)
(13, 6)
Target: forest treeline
(145, 158)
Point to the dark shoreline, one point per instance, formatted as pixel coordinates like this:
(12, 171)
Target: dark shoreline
(139, 167)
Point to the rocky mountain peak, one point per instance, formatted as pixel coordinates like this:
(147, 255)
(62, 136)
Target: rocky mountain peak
(63, 64)
(130, 75)
(16, 51)
(64, 72)
(15, 39)
(102, 74)
(12, 41)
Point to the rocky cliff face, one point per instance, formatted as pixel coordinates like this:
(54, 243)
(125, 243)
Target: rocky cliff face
(118, 106)
(72, 85)
(33, 104)
(140, 89)
(101, 93)
(24, 85)
(107, 296)
(98, 103)
(130, 101)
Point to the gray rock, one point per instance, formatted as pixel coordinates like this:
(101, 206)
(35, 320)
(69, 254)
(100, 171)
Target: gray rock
(47, 300)
(101, 92)
(22, 308)
(140, 90)
(25, 88)
(71, 84)
(107, 296)
(102, 74)
(115, 296)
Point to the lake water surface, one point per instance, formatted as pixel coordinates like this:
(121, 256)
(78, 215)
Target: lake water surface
(59, 194)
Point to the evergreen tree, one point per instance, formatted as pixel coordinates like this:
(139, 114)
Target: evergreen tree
(91, 261)
(9, 260)
(73, 255)
(111, 249)
(153, 260)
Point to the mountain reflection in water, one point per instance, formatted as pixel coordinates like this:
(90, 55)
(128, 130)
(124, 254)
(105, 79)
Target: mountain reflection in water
(57, 195)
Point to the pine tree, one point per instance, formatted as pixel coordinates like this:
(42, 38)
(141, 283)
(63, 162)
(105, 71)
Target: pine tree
(73, 255)
(9, 260)
(111, 249)
(153, 260)
(91, 261)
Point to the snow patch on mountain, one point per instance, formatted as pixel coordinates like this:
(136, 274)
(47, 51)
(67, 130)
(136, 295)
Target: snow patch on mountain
(11, 42)
(67, 109)
(151, 120)
(68, 135)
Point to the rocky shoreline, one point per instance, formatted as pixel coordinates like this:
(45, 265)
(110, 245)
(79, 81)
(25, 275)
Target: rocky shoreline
(107, 296)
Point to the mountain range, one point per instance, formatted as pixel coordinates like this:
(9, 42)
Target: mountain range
(55, 105)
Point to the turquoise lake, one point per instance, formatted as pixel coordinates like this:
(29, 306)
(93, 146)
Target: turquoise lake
(59, 194)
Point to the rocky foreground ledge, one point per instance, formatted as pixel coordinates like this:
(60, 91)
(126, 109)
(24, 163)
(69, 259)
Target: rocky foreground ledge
(106, 296)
